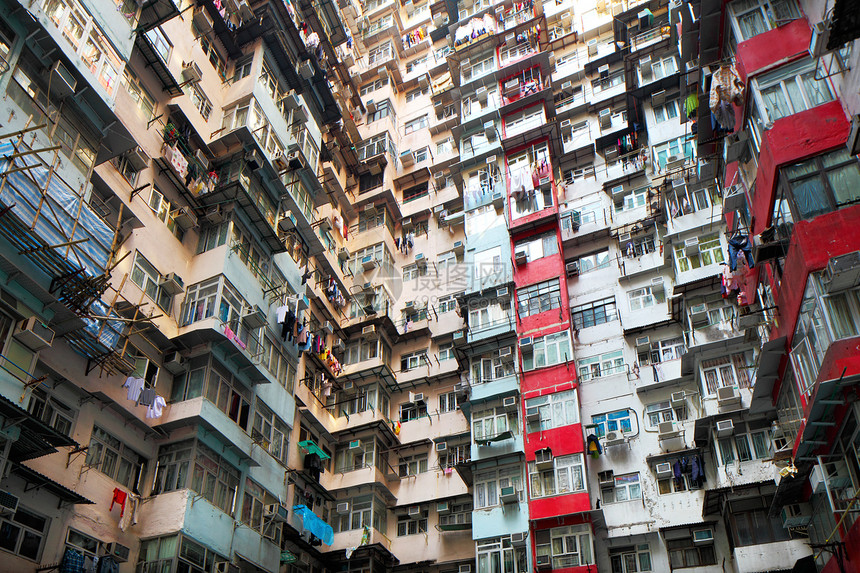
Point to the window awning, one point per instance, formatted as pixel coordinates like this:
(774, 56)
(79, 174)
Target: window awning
(36, 480)
(766, 374)
(36, 438)
(312, 448)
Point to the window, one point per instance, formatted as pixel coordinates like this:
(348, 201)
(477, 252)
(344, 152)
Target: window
(413, 271)
(566, 476)
(492, 366)
(176, 553)
(364, 511)
(538, 246)
(685, 553)
(639, 245)
(91, 547)
(603, 365)
(619, 420)
(710, 253)
(408, 524)
(489, 483)
(455, 454)
(45, 407)
(160, 43)
(726, 371)
(254, 499)
(567, 546)
(413, 360)
(750, 523)
(383, 109)
(114, 459)
(145, 103)
(164, 211)
(594, 261)
(446, 351)
(624, 488)
(645, 297)
(498, 555)
(242, 68)
(228, 394)
(377, 84)
(664, 67)
(353, 457)
(666, 112)
(445, 146)
(421, 154)
(415, 94)
(199, 100)
(23, 534)
(412, 465)
(754, 17)
(538, 298)
(213, 297)
(526, 199)
(677, 147)
(415, 124)
(489, 262)
(821, 184)
(458, 514)
(789, 90)
(413, 411)
(212, 237)
(416, 64)
(664, 350)
(215, 59)
(448, 402)
(663, 412)
(633, 200)
(594, 313)
(631, 559)
(492, 423)
(748, 442)
(447, 303)
(379, 55)
(271, 432)
(548, 350)
(556, 410)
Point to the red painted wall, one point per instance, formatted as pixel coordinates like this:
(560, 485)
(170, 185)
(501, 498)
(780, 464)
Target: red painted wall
(562, 441)
(774, 48)
(793, 138)
(546, 507)
(557, 378)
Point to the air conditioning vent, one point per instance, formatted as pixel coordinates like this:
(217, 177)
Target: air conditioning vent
(119, 552)
(355, 445)
(613, 438)
(842, 272)
(256, 318)
(443, 506)
(34, 334)
(441, 446)
(518, 539)
(663, 470)
(572, 268)
(191, 72)
(414, 510)
(502, 293)
(174, 362)
(416, 397)
(465, 569)
(8, 503)
(369, 331)
(643, 343)
(172, 284)
(63, 82)
(691, 246)
(728, 397)
(509, 403)
(699, 314)
(678, 399)
(526, 344)
(543, 459)
(275, 512)
(521, 257)
(343, 508)
(725, 428)
(658, 97)
(533, 414)
(703, 536)
(509, 494)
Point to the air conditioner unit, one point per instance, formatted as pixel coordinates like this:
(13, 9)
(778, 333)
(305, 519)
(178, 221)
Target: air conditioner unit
(355, 445)
(414, 510)
(543, 459)
(657, 285)
(842, 272)
(343, 254)
(617, 193)
(63, 82)
(291, 101)
(510, 40)
(502, 293)
(643, 343)
(203, 20)
(459, 247)
(703, 536)
(603, 71)
(725, 428)
(666, 430)
(191, 72)
(441, 446)
(275, 512)
(347, 385)
(519, 539)
(459, 338)
(521, 258)
(624, 238)
(592, 47)
(727, 396)
(119, 552)
(533, 414)
(509, 494)
(407, 158)
(306, 70)
(663, 470)
(796, 515)
(820, 37)
(137, 158)
(498, 200)
(691, 246)
(217, 214)
(509, 403)
(606, 477)
(526, 344)
(383, 73)
(368, 263)
(605, 117)
(34, 334)
(678, 399)
(481, 94)
(506, 354)
(490, 160)
(416, 397)
(490, 130)
(465, 568)
(254, 160)
(699, 314)
(442, 506)
(832, 474)
(185, 217)
(343, 508)
(512, 88)
(369, 331)
(174, 362)
(370, 209)
(255, 318)
(572, 268)
(658, 97)
(8, 503)
(613, 438)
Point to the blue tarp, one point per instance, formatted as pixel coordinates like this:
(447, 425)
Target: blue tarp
(314, 524)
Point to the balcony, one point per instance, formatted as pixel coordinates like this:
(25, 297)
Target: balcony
(658, 375)
(578, 227)
(657, 33)
(656, 314)
(633, 266)
(156, 59)
(485, 390)
(353, 538)
(491, 329)
(504, 444)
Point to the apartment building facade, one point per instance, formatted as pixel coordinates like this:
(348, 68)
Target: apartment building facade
(429, 286)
